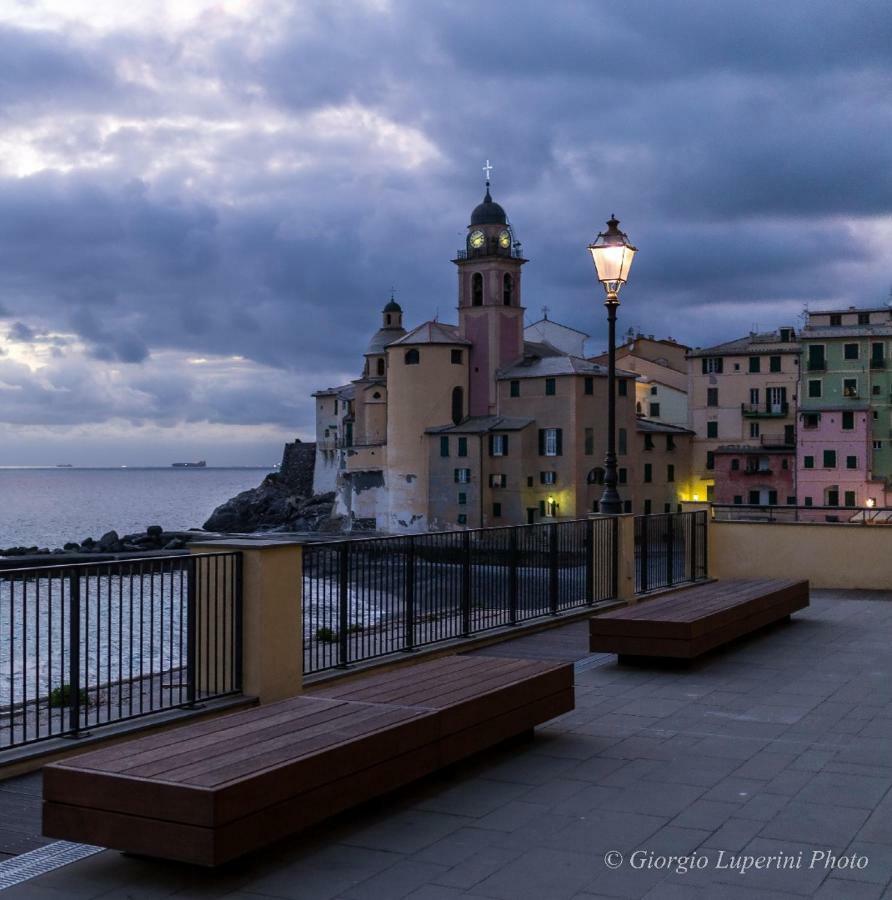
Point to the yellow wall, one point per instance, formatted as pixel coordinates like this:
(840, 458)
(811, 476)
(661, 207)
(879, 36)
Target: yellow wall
(829, 556)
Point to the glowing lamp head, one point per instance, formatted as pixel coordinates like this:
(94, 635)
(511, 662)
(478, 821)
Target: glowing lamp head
(612, 254)
(870, 503)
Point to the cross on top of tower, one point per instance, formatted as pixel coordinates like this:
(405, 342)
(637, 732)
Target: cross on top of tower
(545, 312)
(488, 169)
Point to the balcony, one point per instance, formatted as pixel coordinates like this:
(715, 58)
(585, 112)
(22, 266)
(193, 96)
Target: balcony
(877, 363)
(749, 471)
(765, 410)
(816, 365)
(777, 440)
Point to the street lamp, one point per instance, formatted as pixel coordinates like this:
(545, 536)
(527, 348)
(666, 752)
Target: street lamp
(612, 255)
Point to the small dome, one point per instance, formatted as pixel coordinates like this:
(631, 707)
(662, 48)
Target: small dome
(393, 306)
(489, 213)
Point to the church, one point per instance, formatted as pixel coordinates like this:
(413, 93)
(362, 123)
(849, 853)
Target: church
(486, 422)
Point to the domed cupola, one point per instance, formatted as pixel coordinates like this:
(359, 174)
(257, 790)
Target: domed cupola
(488, 212)
(391, 328)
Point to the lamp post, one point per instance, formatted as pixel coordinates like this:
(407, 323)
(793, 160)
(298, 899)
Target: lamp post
(612, 255)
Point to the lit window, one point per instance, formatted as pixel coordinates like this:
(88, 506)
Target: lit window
(498, 445)
(498, 481)
(548, 477)
(463, 476)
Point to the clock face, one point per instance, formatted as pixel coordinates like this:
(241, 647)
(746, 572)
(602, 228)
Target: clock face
(477, 239)
(505, 240)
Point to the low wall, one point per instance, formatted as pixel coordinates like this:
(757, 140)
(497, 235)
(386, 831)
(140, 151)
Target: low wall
(829, 556)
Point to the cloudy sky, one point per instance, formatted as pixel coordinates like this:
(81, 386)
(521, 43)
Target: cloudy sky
(204, 205)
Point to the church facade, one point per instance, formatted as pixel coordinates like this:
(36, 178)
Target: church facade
(476, 425)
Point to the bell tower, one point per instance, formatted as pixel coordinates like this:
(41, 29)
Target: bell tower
(490, 313)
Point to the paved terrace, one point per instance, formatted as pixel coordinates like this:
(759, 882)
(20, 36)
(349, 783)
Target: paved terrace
(778, 744)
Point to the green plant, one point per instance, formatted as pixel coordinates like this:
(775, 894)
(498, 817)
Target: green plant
(325, 634)
(61, 696)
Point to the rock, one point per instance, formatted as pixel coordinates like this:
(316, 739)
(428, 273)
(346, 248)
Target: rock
(175, 544)
(71, 545)
(154, 531)
(88, 544)
(109, 542)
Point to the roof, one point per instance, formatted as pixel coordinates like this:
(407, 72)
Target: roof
(557, 325)
(822, 332)
(346, 391)
(488, 212)
(392, 306)
(535, 366)
(482, 425)
(649, 425)
(764, 342)
(849, 310)
(432, 333)
(382, 337)
(647, 379)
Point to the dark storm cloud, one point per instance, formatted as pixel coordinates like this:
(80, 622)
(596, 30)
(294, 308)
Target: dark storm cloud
(255, 189)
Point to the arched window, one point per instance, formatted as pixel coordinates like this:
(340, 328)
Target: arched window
(388, 318)
(596, 476)
(507, 290)
(638, 408)
(458, 405)
(380, 366)
(413, 357)
(477, 289)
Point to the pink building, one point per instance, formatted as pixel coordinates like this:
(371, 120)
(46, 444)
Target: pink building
(833, 458)
(759, 476)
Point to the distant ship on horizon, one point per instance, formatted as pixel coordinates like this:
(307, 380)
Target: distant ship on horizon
(189, 465)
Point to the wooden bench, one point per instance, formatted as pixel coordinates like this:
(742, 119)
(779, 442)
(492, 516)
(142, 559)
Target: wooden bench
(690, 622)
(210, 792)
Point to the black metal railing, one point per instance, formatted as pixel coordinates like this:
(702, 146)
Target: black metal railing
(670, 549)
(765, 410)
(828, 515)
(368, 598)
(87, 645)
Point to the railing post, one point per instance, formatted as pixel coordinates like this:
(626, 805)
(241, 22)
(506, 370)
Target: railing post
(644, 562)
(670, 548)
(466, 583)
(553, 584)
(238, 625)
(410, 595)
(191, 631)
(512, 576)
(343, 605)
(590, 561)
(74, 654)
(705, 526)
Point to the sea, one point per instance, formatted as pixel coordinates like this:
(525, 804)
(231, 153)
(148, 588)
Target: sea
(47, 507)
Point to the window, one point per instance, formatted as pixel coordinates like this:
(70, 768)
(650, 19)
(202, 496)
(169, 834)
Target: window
(380, 365)
(549, 387)
(791, 501)
(507, 290)
(548, 508)
(498, 445)
(589, 441)
(647, 506)
(477, 289)
(514, 388)
(622, 476)
(670, 442)
(808, 462)
(529, 480)
(412, 357)
(622, 441)
(710, 459)
(877, 445)
(738, 499)
(785, 463)
(376, 396)
(622, 388)
(627, 506)
(774, 364)
(548, 477)
(850, 387)
(670, 472)
(712, 429)
(864, 318)
(498, 481)
(755, 363)
(754, 498)
(833, 496)
(462, 476)
(735, 465)
(648, 473)
(596, 476)
(810, 420)
(850, 351)
(550, 442)
(712, 396)
(653, 390)
(462, 446)
(772, 498)
(458, 405)
(462, 519)
(754, 396)
(754, 429)
(814, 387)
(848, 420)
(785, 335)
(667, 507)
(829, 459)
(836, 319)
(444, 446)
(648, 442)
(589, 384)
(851, 462)
(808, 501)
(462, 499)
(712, 365)
(655, 410)
(877, 353)
(877, 389)
(455, 356)
(497, 510)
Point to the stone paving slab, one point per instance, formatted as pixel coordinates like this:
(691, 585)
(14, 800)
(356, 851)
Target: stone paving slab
(777, 746)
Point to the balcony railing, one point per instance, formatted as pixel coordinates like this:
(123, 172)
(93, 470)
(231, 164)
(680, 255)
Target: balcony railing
(777, 440)
(765, 410)
(749, 471)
